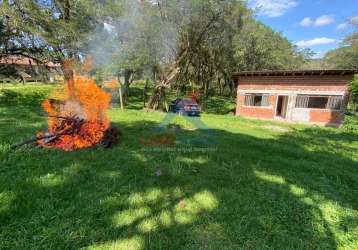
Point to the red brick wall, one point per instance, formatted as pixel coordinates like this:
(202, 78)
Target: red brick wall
(326, 116)
(324, 83)
(257, 112)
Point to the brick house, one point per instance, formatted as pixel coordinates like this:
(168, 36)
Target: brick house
(16, 67)
(314, 96)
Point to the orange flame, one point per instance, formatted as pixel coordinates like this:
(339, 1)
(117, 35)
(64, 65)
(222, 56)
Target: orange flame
(111, 84)
(87, 65)
(77, 115)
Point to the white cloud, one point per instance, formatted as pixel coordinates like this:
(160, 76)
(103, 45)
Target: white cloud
(319, 21)
(315, 42)
(272, 8)
(324, 20)
(354, 20)
(342, 26)
(307, 21)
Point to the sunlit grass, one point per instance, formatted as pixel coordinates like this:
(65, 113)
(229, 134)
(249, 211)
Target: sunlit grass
(134, 243)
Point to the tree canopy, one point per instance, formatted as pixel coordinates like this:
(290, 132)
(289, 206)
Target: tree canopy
(180, 44)
(346, 56)
(53, 29)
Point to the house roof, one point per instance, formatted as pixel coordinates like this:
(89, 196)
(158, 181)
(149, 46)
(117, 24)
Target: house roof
(295, 72)
(23, 60)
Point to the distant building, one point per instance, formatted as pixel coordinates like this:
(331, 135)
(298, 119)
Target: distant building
(22, 68)
(312, 96)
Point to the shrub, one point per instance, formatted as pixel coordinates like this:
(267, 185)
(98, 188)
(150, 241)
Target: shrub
(354, 94)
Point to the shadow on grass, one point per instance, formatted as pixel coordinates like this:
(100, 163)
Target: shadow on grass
(220, 106)
(247, 192)
(135, 98)
(8, 97)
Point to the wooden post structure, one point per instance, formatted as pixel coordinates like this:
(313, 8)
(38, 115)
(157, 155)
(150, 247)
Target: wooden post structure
(121, 96)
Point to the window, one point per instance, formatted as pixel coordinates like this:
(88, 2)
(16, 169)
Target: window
(335, 102)
(257, 100)
(319, 102)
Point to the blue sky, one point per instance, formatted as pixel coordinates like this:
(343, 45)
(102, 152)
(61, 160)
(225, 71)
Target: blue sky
(316, 24)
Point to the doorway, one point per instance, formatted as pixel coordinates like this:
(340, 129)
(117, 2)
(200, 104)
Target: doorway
(281, 108)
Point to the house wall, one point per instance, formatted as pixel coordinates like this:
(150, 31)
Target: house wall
(291, 86)
(256, 112)
(38, 72)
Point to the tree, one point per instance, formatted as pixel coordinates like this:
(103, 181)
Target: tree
(346, 56)
(138, 43)
(205, 33)
(354, 93)
(258, 47)
(55, 30)
(216, 38)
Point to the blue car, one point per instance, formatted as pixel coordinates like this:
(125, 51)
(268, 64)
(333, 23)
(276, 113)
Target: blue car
(186, 107)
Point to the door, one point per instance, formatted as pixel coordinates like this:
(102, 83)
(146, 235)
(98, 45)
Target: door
(281, 108)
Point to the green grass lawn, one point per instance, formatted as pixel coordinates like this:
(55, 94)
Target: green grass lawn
(242, 184)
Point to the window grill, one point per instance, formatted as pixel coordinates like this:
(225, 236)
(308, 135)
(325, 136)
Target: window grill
(319, 102)
(335, 102)
(257, 100)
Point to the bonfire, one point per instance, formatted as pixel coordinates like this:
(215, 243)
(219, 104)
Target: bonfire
(77, 116)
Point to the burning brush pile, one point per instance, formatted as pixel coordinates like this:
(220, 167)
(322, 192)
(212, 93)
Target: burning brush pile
(77, 117)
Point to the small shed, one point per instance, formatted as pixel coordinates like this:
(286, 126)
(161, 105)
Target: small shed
(311, 96)
(27, 69)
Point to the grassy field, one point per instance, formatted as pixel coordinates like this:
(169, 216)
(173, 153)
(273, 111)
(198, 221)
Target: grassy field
(229, 184)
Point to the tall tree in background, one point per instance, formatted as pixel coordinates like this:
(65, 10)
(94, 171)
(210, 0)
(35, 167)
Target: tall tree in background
(346, 56)
(205, 33)
(55, 30)
(258, 47)
(151, 44)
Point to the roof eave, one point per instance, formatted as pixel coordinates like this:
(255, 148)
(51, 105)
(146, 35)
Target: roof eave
(294, 73)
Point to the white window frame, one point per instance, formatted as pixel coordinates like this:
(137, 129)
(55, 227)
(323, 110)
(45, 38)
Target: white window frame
(341, 105)
(267, 96)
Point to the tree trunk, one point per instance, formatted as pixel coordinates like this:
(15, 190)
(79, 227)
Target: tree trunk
(120, 91)
(221, 87)
(69, 77)
(158, 99)
(158, 96)
(66, 9)
(121, 97)
(145, 92)
(231, 84)
(127, 81)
